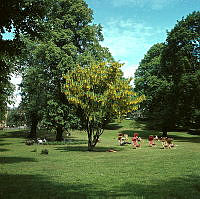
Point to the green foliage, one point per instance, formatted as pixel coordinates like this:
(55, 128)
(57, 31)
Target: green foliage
(100, 93)
(17, 16)
(181, 60)
(20, 16)
(69, 39)
(150, 81)
(15, 117)
(169, 77)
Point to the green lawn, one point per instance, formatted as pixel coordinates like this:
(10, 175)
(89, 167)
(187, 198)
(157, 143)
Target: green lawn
(70, 171)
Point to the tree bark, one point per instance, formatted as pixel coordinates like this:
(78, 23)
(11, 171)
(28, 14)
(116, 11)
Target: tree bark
(59, 134)
(90, 144)
(93, 135)
(33, 132)
(93, 139)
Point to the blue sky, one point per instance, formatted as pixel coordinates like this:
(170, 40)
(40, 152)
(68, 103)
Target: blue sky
(131, 27)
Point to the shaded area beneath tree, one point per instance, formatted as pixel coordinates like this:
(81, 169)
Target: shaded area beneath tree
(32, 186)
(145, 134)
(85, 149)
(9, 160)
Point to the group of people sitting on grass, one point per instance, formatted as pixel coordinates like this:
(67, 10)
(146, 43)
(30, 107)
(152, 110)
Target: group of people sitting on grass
(152, 140)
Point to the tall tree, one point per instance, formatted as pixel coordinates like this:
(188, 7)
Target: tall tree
(6, 87)
(169, 77)
(33, 98)
(150, 81)
(69, 39)
(17, 16)
(181, 62)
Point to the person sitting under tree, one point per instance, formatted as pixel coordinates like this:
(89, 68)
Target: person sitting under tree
(151, 141)
(121, 139)
(135, 141)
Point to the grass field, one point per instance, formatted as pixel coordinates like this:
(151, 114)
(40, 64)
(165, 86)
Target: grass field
(70, 171)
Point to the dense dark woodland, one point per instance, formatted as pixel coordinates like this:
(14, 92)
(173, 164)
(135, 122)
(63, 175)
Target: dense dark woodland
(52, 37)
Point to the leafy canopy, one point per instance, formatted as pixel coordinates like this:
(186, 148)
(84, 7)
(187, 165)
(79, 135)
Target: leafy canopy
(100, 93)
(169, 77)
(99, 89)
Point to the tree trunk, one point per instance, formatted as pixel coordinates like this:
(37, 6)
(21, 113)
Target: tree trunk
(92, 139)
(90, 144)
(59, 133)
(164, 130)
(33, 132)
(93, 136)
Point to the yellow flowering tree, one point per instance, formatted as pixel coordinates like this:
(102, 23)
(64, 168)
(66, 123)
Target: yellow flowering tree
(100, 93)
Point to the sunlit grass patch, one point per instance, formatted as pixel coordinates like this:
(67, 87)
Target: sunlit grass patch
(70, 171)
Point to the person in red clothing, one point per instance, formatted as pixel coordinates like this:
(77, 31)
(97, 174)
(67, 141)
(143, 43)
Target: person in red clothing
(135, 135)
(151, 140)
(135, 141)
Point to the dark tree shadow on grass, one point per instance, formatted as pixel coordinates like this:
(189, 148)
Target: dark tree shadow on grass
(15, 134)
(40, 187)
(194, 132)
(4, 144)
(85, 149)
(9, 160)
(112, 126)
(3, 150)
(174, 188)
(195, 139)
(68, 141)
(144, 134)
(32, 187)
(50, 137)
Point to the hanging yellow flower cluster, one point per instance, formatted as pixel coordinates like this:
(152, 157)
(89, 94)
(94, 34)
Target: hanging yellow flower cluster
(100, 88)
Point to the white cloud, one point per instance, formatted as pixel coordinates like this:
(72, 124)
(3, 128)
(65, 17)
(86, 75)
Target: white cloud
(153, 4)
(128, 41)
(123, 38)
(129, 70)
